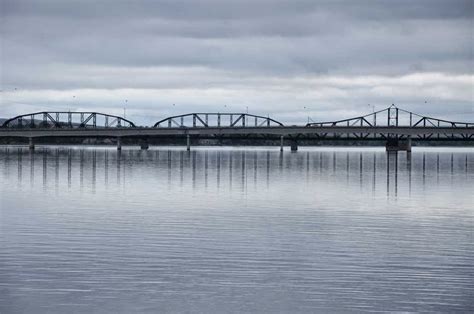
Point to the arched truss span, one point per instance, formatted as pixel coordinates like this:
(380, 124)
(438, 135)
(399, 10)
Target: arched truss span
(393, 116)
(205, 120)
(66, 119)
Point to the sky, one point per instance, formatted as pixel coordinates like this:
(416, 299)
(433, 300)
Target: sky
(292, 60)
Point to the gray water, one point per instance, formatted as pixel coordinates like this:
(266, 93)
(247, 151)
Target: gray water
(91, 230)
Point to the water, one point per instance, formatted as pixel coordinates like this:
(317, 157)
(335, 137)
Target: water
(235, 230)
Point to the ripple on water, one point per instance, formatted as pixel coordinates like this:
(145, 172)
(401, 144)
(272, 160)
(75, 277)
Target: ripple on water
(248, 230)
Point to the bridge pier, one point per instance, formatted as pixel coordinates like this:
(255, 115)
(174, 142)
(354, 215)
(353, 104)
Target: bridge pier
(395, 144)
(281, 143)
(294, 146)
(144, 144)
(31, 143)
(188, 142)
(119, 143)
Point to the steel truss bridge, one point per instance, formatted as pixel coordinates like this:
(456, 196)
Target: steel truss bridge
(397, 127)
(217, 120)
(66, 120)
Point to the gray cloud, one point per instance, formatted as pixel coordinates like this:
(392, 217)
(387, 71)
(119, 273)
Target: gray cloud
(264, 53)
(233, 9)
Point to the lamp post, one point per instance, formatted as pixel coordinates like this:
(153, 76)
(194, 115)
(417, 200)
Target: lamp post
(306, 112)
(246, 116)
(373, 111)
(73, 103)
(125, 109)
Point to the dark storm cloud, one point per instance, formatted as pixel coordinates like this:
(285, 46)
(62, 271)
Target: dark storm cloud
(212, 51)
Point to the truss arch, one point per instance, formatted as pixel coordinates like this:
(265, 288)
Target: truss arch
(205, 120)
(67, 120)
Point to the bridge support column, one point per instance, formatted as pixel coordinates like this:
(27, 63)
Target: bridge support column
(188, 142)
(294, 146)
(119, 143)
(144, 144)
(31, 143)
(281, 143)
(395, 145)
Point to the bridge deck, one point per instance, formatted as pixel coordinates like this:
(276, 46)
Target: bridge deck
(465, 132)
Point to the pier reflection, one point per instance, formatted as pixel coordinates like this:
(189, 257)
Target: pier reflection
(32, 167)
(239, 170)
(20, 167)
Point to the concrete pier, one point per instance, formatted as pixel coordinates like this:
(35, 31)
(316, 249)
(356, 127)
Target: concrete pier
(31, 143)
(281, 143)
(294, 146)
(188, 142)
(396, 144)
(119, 143)
(144, 144)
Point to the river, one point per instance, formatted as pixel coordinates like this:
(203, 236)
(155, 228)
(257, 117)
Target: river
(231, 230)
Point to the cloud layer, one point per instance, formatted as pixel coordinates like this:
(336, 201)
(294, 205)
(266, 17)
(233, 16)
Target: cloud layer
(284, 58)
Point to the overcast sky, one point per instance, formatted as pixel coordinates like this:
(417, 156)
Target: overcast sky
(289, 59)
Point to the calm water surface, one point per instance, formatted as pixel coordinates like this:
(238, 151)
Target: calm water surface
(91, 230)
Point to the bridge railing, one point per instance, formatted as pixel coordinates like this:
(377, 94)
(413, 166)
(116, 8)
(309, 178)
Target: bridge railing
(205, 120)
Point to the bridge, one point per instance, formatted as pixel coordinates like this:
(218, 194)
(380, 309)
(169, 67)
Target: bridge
(394, 126)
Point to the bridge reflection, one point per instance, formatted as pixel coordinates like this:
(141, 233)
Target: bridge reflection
(233, 170)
